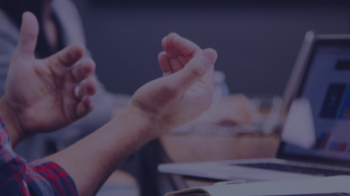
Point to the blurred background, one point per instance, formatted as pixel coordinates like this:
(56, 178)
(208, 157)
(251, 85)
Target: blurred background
(257, 41)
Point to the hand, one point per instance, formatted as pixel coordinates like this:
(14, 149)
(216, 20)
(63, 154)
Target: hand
(185, 90)
(40, 92)
(235, 110)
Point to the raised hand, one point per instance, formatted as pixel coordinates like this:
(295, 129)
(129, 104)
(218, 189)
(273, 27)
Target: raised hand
(40, 92)
(177, 53)
(185, 91)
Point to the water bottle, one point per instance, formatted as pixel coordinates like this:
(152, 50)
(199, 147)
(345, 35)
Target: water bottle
(220, 89)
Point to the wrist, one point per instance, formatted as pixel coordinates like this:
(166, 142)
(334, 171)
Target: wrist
(148, 126)
(12, 122)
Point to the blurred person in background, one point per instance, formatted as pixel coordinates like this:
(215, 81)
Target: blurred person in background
(60, 26)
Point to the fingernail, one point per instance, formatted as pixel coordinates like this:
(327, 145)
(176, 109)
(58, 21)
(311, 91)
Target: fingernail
(209, 56)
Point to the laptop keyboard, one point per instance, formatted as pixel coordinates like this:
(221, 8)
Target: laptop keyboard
(296, 169)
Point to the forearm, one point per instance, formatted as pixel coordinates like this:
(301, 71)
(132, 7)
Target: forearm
(91, 160)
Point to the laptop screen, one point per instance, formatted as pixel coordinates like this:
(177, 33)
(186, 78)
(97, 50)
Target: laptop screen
(326, 84)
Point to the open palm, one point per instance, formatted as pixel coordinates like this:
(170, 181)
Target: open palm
(41, 92)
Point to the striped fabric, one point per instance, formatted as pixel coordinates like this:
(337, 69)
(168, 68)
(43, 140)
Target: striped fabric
(37, 178)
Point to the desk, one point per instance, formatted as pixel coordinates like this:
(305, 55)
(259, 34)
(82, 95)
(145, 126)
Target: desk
(211, 147)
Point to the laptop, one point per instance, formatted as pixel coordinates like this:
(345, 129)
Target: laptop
(322, 76)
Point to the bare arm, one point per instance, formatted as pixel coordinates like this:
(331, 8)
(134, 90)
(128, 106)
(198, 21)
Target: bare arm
(91, 160)
(40, 97)
(155, 108)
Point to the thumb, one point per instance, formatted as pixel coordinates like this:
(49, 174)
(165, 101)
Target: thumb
(29, 35)
(195, 70)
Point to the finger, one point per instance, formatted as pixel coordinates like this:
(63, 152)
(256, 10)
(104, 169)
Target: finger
(84, 69)
(179, 50)
(171, 52)
(166, 44)
(29, 35)
(176, 64)
(65, 58)
(200, 66)
(164, 64)
(185, 47)
(84, 107)
(208, 78)
(175, 45)
(88, 88)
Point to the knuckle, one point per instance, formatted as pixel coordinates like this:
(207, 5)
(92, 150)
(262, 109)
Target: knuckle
(70, 57)
(198, 71)
(80, 72)
(62, 61)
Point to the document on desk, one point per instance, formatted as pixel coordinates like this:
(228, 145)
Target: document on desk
(338, 184)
